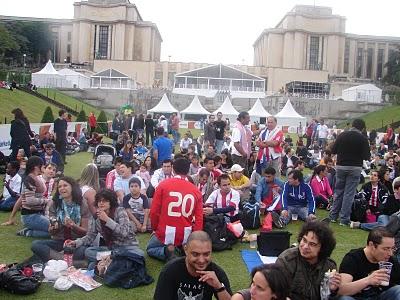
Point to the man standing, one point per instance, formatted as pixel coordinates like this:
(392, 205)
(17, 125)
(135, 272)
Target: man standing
(60, 133)
(270, 149)
(323, 131)
(362, 278)
(194, 276)
(220, 126)
(209, 132)
(306, 264)
(162, 147)
(176, 211)
(175, 128)
(352, 148)
(241, 138)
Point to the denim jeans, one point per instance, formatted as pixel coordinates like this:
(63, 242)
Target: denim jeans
(347, 180)
(391, 294)
(218, 146)
(42, 248)
(301, 211)
(156, 249)
(382, 220)
(176, 136)
(37, 224)
(8, 204)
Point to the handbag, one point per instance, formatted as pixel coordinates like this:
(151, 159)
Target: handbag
(15, 282)
(273, 243)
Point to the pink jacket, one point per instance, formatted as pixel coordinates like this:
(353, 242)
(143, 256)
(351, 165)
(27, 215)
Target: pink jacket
(321, 187)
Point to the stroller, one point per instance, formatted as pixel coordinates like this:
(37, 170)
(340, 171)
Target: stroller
(103, 158)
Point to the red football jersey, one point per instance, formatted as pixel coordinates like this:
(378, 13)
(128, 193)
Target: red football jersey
(176, 211)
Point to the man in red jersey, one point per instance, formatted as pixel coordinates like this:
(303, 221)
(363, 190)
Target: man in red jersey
(176, 211)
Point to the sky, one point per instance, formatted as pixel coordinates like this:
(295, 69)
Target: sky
(223, 31)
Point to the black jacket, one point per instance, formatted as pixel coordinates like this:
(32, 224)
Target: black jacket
(383, 194)
(149, 125)
(351, 148)
(20, 133)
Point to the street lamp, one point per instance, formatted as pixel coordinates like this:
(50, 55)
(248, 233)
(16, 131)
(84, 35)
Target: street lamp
(23, 75)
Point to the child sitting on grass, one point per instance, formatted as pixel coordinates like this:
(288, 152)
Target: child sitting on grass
(144, 174)
(137, 207)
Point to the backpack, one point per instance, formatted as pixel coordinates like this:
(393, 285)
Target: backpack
(251, 215)
(221, 237)
(15, 282)
(359, 208)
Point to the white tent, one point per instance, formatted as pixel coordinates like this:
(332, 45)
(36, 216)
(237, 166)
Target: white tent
(227, 110)
(48, 77)
(289, 117)
(111, 79)
(258, 110)
(365, 92)
(164, 106)
(195, 108)
(75, 79)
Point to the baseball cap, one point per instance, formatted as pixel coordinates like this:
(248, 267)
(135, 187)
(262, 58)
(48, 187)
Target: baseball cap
(236, 168)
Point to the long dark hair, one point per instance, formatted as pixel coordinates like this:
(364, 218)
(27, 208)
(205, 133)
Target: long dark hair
(76, 192)
(318, 169)
(18, 114)
(276, 278)
(33, 161)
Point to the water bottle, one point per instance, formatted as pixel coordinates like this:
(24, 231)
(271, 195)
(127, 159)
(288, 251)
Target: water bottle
(324, 288)
(68, 254)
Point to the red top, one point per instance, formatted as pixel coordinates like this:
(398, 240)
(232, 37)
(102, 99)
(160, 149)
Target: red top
(176, 211)
(92, 121)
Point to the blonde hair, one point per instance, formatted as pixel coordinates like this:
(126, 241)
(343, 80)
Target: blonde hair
(90, 177)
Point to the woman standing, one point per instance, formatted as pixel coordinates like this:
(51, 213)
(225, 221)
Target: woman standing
(90, 185)
(113, 224)
(149, 122)
(21, 134)
(69, 217)
(92, 122)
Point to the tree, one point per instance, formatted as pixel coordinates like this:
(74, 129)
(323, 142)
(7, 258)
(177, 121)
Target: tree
(8, 43)
(102, 126)
(48, 116)
(81, 116)
(393, 68)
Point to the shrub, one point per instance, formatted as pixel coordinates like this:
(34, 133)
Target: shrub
(81, 116)
(102, 126)
(48, 116)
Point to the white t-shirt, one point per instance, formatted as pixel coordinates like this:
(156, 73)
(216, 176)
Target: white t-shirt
(122, 184)
(323, 131)
(236, 137)
(15, 185)
(185, 143)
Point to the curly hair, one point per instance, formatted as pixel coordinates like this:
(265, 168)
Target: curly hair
(76, 191)
(108, 195)
(324, 234)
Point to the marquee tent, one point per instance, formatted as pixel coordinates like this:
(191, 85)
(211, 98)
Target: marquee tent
(365, 92)
(111, 79)
(164, 106)
(258, 110)
(48, 77)
(289, 117)
(195, 108)
(75, 79)
(227, 110)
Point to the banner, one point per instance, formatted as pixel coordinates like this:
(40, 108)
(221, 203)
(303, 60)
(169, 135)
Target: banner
(38, 128)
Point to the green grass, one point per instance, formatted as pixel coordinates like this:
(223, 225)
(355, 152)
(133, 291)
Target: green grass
(70, 101)
(387, 115)
(32, 107)
(16, 249)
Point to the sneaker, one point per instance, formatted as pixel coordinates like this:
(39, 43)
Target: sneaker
(276, 219)
(354, 225)
(170, 252)
(343, 224)
(23, 232)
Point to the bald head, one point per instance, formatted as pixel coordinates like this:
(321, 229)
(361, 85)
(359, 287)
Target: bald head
(200, 236)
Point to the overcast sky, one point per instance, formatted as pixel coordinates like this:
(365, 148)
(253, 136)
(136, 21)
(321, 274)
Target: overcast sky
(223, 31)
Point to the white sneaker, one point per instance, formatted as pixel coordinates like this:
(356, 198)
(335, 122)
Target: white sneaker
(354, 225)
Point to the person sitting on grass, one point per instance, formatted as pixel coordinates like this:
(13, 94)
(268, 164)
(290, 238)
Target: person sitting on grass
(185, 142)
(137, 207)
(69, 215)
(121, 183)
(194, 165)
(144, 174)
(114, 173)
(127, 152)
(52, 155)
(112, 222)
(12, 187)
(320, 187)
(269, 282)
(240, 182)
(204, 183)
(297, 198)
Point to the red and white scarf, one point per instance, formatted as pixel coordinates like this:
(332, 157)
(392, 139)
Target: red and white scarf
(270, 135)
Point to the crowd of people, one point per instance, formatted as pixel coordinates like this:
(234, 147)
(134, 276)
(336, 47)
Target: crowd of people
(172, 187)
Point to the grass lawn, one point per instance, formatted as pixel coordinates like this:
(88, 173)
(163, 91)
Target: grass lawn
(32, 107)
(388, 115)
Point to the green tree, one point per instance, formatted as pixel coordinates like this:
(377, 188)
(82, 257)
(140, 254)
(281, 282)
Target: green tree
(48, 116)
(8, 43)
(81, 116)
(102, 123)
(393, 68)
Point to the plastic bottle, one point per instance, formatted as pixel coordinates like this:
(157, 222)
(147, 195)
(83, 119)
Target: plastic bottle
(68, 254)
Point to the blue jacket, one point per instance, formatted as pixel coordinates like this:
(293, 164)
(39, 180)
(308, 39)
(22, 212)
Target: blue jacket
(300, 195)
(55, 159)
(263, 188)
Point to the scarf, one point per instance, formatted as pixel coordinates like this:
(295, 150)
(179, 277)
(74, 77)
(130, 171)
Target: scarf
(106, 231)
(264, 154)
(72, 211)
(245, 138)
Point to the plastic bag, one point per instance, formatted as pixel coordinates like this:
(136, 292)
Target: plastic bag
(53, 269)
(63, 283)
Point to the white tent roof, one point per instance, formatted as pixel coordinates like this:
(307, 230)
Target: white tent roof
(164, 106)
(48, 69)
(368, 87)
(227, 108)
(195, 108)
(258, 110)
(288, 111)
(70, 72)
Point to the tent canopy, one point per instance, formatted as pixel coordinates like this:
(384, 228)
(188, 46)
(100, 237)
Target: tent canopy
(195, 108)
(164, 106)
(227, 108)
(289, 117)
(364, 92)
(110, 73)
(258, 110)
(48, 69)
(48, 77)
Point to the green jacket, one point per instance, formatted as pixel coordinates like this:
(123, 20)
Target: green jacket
(305, 278)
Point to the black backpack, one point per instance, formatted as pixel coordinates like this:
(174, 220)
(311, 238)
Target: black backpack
(15, 282)
(251, 215)
(221, 237)
(359, 208)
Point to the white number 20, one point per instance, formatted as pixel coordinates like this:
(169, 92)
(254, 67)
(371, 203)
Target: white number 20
(182, 203)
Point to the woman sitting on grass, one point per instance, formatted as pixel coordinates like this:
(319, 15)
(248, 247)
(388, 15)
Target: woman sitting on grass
(69, 217)
(90, 185)
(127, 152)
(320, 186)
(113, 224)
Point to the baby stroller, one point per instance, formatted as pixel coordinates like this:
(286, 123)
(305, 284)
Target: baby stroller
(103, 158)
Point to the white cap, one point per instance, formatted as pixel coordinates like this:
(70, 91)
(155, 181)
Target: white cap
(236, 168)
